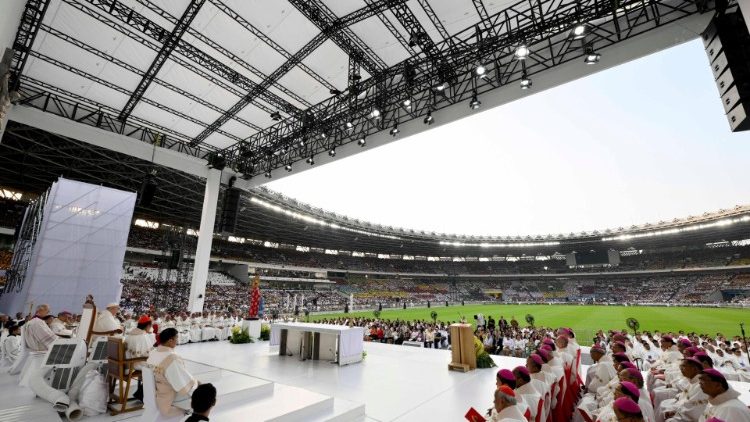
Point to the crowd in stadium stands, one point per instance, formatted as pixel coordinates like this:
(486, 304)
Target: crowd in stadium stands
(11, 212)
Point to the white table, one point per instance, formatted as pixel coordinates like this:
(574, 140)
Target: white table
(338, 343)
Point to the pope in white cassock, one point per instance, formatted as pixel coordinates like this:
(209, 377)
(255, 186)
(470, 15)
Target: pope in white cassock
(106, 321)
(173, 381)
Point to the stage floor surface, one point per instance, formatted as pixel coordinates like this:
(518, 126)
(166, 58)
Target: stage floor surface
(393, 383)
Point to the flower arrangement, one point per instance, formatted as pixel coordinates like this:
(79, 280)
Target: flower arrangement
(483, 358)
(240, 336)
(265, 332)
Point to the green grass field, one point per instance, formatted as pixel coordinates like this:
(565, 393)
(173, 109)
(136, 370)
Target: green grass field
(585, 320)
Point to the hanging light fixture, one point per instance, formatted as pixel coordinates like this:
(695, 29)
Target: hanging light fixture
(525, 81)
(522, 52)
(288, 167)
(474, 104)
(332, 152)
(428, 119)
(395, 130)
(361, 141)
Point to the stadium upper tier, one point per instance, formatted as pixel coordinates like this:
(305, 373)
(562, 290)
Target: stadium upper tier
(266, 216)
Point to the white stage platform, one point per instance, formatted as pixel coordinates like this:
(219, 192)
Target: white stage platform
(394, 383)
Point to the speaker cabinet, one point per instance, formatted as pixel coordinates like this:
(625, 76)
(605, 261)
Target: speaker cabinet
(230, 210)
(727, 44)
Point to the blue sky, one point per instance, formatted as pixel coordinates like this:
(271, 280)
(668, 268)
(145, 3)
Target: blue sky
(642, 142)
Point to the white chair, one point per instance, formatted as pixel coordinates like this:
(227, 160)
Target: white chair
(150, 411)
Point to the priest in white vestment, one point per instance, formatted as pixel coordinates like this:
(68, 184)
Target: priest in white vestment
(723, 401)
(173, 381)
(505, 408)
(11, 346)
(140, 340)
(37, 335)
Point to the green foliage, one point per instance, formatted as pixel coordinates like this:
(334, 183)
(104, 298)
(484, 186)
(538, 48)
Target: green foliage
(240, 336)
(364, 354)
(485, 361)
(265, 332)
(433, 315)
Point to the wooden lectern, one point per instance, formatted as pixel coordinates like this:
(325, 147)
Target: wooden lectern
(462, 348)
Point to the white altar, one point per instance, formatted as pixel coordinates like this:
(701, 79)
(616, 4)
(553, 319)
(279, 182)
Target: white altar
(336, 343)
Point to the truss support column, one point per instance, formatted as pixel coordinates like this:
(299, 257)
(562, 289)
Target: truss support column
(205, 238)
(3, 124)
(745, 10)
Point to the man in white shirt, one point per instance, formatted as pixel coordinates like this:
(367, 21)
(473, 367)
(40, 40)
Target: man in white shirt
(173, 381)
(723, 402)
(106, 323)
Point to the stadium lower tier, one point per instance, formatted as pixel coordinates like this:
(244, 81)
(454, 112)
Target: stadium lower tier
(146, 287)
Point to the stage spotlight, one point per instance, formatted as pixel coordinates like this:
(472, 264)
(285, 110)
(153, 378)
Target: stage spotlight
(579, 31)
(592, 57)
(522, 52)
(481, 71)
(311, 160)
(407, 103)
(375, 113)
(475, 103)
(428, 119)
(332, 152)
(323, 135)
(283, 150)
(301, 143)
(276, 116)
(525, 82)
(395, 130)
(361, 141)
(441, 86)
(349, 125)
(288, 167)
(268, 175)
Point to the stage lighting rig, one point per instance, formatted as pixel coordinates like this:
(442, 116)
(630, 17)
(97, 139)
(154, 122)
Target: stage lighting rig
(332, 152)
(395, 130)
(288, 167)
(591, 57)
(361, 141)
(525, 81)
(522, 51)
(428, 119)
(475, 103)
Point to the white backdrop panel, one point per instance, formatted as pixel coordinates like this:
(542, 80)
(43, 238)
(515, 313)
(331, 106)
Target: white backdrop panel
(81, 246)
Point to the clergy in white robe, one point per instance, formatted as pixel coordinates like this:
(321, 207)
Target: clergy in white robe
(11, 346)
(505, 408)
(689, 403)
(173, 381)
(140, 340)
(525, 388)
(106, 321)
(723, 401)
(37, 335)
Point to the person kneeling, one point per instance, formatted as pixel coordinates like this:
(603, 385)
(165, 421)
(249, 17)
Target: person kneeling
(173, 381)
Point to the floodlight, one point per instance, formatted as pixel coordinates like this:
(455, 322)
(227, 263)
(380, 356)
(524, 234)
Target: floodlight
(268, 175)
(522, 52)
(311, 160)
(332, 152)
(395, 130)
(525, 81)
(323, 135)
(288, 167)
(592, 57)
(579, 31)
(480, 71)
(349, 125)
(475, 103)
(406, 103)
(428, 119)
(375, 113)
(361, 141)
(441, 86)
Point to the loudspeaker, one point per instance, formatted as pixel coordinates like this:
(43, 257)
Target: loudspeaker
(727, 44)
(148, 190)
(229, 210)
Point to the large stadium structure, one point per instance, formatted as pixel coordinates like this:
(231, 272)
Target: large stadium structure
(188, 107)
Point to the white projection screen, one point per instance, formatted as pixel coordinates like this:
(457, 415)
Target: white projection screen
(79, 250)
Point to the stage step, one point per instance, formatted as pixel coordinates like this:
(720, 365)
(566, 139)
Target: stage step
(233, 388)
(30, 413)
(343, 411)
(288, 404)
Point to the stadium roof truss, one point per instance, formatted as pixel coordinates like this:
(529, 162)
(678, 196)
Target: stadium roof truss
(267, 84)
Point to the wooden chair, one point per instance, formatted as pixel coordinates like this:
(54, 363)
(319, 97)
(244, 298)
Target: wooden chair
(121, 371)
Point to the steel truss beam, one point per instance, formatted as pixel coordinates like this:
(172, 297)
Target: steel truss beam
(329, 31)
(166, 50)
(151, 30)
(396, 33)
(51, 99)
(434, 19)
(218, 47)
(136, 71)
(124, 91)
(322, 17)
(266, 39)
(32, 17)
(543, 25)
